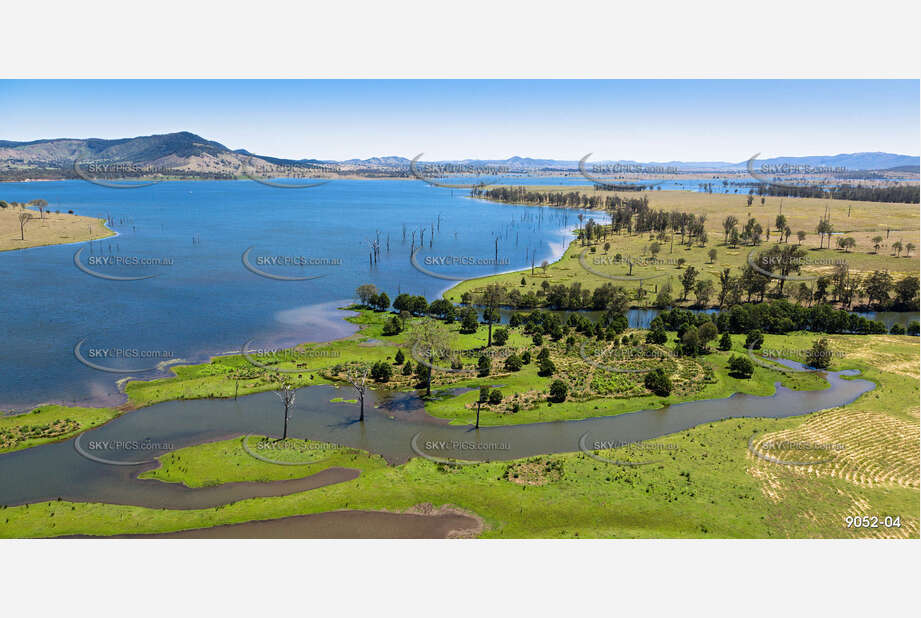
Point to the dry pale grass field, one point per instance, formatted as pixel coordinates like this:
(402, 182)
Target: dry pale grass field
(801, 213)
(54, 229)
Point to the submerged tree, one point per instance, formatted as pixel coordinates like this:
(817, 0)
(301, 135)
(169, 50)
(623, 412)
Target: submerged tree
(286, 394)
(357, 376)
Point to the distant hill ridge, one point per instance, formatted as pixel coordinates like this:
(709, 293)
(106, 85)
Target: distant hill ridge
(191, 153)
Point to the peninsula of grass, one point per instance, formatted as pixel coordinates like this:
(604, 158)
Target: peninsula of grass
(49, 423)
(48, 228)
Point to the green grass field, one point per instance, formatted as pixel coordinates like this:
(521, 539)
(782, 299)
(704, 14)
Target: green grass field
(708, 485)
(49, 423)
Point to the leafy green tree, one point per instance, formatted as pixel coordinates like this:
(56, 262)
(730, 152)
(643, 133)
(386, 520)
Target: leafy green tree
(399, 358)
(408, 368)
(513, 363)
(484, 366)
(741, 367)
(706, 333)
(393, 326)
(658, 382)
(365, 293)
(725, 342)
(381, 372)
(819, 356)
(500, 337)
(877, 286)
(495, 397)
(558, 391)
(688, 278)
(657, 335)
(493, 297)
(546, 368)
(906, 291)
(468, 320)
(754, 339)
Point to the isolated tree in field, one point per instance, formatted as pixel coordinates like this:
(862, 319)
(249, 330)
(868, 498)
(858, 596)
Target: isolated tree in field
(729, 224)
(877, 242)
(823, 229)
(801, 236)
(819, 356)
(754, 339)
(658, 382)
(849, 243)
(286, 394)
(493, 296)
(786, 234)
(357, 376)
(780, 222)
(654, 249)
(40, 205)
(725, 342)
(399, 358)
(24, 217)
(741, 367)
(712, 255)
(688, 278)
(909, 247)
(897, 246)
(558, 391)
(501, 336)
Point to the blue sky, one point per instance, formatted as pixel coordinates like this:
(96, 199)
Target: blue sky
(643, 120)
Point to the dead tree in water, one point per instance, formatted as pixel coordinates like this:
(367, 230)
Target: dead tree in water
(357, 376)
(287, 394)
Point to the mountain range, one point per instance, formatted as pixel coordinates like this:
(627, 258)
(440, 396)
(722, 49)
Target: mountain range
(188, 154)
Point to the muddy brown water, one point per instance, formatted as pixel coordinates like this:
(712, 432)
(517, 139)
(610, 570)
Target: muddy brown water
(334, 525)
(391, 426)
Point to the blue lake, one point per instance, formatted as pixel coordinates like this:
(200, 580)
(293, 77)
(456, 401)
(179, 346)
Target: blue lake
(203, 301)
